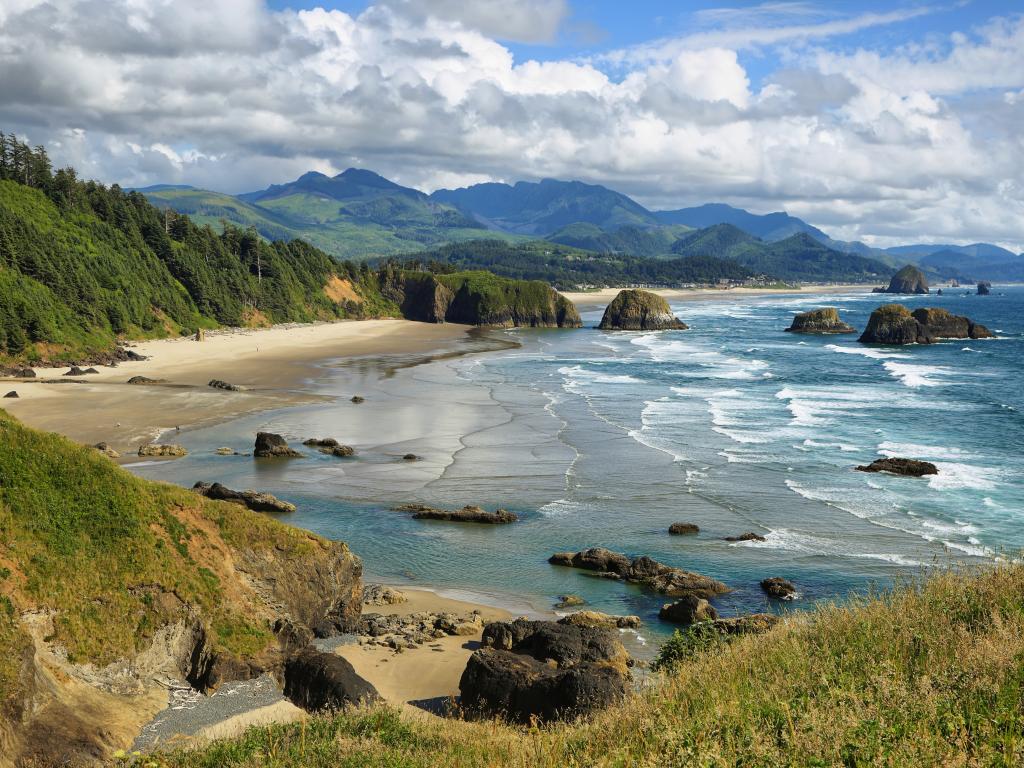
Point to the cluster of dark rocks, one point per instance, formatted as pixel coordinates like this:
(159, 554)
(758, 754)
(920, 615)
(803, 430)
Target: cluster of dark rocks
(163, 450)
(76, 371)
(143, 381)
(468, 514)
(218, 384)
(401, 632)
(17, 372)
(895, 324)
(901, 466)
(643, 570)
(254, 500)
(330, 446)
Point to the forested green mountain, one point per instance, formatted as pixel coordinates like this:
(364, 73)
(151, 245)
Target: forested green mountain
(568, 268)
(355, 214)
(82, 264)
(631, 240)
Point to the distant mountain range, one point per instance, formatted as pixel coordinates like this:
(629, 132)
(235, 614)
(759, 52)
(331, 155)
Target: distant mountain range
(359, 214)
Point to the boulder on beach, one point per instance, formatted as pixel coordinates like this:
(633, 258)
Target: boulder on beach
(748, 536)
(636, 310)
(899, 466)
(162, 450)
(218, 384)
(269, 446)
(468, 514)
(683, 529)
(380, 594)
(825, 320)
(895, 324)
(541, 671)
(779, 588)
(145, 381)
(357, 399)
(410, 457)
(74, 371)
(12, 394)
(318, 681)
(689, 609)
(17, 372)
(910, 280)
(643, 570)
(984, 288)
(254, 500)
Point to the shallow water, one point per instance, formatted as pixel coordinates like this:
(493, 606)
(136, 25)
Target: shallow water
(604, 439)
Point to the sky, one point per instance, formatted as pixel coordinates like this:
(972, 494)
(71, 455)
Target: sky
(887, 122)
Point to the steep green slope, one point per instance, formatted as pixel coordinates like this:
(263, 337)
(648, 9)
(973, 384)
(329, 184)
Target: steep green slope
(569, 268)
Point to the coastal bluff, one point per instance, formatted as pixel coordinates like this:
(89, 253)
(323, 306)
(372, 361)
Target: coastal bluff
(478, 298)
(636, 310)
(895, 324)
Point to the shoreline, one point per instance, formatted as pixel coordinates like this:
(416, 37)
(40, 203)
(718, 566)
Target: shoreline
(589, 300)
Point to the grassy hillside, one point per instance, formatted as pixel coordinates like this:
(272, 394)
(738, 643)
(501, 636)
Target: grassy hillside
(930, 674)
(567, 268)
(82, 265)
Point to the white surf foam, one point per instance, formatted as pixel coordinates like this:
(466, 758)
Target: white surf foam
(874, 354)
(915, 376)
(954, 475)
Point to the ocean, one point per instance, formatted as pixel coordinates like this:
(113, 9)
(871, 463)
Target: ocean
(604, 439)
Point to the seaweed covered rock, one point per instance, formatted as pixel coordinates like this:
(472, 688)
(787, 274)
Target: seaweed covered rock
(636, 310)
(825, 320)
(910, 279)
(688, 610)
(541, 670)
(643, 570)
(683, 529)
(157, 450)
(895, 324)
(898, 466)
(779, 588)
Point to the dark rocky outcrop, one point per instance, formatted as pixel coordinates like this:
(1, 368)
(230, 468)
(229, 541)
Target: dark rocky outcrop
(570, 601)
(910, 279)
(779, 588)
(76, 371)
(254, 500)
(321, 442)
(145, 381)
(468, 514)
(984, 288)
(541, 670)
(688, 610)
(357, 399)
(12, 394)
(599, 619)
(683, 529)
(106, 450)
(748, 536)
(162, 450)
(644, 571)
(898, 466)
(479, 298)
(636, 310)
(218, 384)
(381, 594)
(410, 457)
(318, 681)
(825, 320)
(895, 324)
(331, 447)
(269, 445)
(17, 372)
(399, 632)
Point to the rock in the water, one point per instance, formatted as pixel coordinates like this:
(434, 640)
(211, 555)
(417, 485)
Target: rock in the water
(12, 394)
(143, 381)
(984, 288)
(269, 445)
(938, 292)
(636, 310)
(156, 449)
(688, 610)
(898, 466)
(17, 372)
(824, 320)
(254, 500)
(683, 529)
(218, 384)
(748, 536)
(569, 601)
(227, 452)
(910, 279)
(779, 588)
(106, 450)
(410, 457)
(321, 442)
(357, 399)
(468, 514)
(599, 619)
(341, 451)
(643, 570)
(379, 594)
(319, 681)
(895, 324)
(540, 670)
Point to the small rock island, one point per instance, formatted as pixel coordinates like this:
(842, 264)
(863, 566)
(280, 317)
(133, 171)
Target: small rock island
(824, 320)
(895, 324)
(636, 310)
(910, 280)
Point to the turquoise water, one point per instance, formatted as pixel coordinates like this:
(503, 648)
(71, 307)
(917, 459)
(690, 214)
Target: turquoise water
(604, 439)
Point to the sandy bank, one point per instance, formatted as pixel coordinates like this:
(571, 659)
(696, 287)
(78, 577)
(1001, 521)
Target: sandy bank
(601, 298)
(272, 364)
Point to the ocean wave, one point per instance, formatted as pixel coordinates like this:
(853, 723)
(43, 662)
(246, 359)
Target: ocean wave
(586, 376)
(891, 448)
(736, 456)
(844, 447)
(562, 508)
(653, 418)
(806, 544)
(874, 354)
(915, 376)
(956, 476)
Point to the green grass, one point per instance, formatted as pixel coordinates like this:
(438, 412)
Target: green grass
(928, 674)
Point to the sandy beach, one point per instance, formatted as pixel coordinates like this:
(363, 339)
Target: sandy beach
(271, 364)
(586, 300)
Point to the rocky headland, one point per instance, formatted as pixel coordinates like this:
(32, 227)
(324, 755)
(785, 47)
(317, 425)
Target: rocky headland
(636, 310)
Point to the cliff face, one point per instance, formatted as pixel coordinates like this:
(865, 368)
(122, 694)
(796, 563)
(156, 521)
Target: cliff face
(109, 583)
(635, 310)
(910, 279)
(480, 298)
(895, 324)
(825, 320)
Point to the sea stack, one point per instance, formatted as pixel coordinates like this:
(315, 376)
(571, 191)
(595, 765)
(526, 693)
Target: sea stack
(825, 320)
(984, 288)
(910, 279)
(895, 324)
(636, 310)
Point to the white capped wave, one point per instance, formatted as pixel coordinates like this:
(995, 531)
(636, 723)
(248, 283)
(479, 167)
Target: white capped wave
(735, 456)
(874, 354)
(989, 502)
(915, 376)
(892, 448)
(844, 447)
(562, 508)
(803, 543)
(744, 438)
(954, 476)
(653, 419)
(586, 376)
